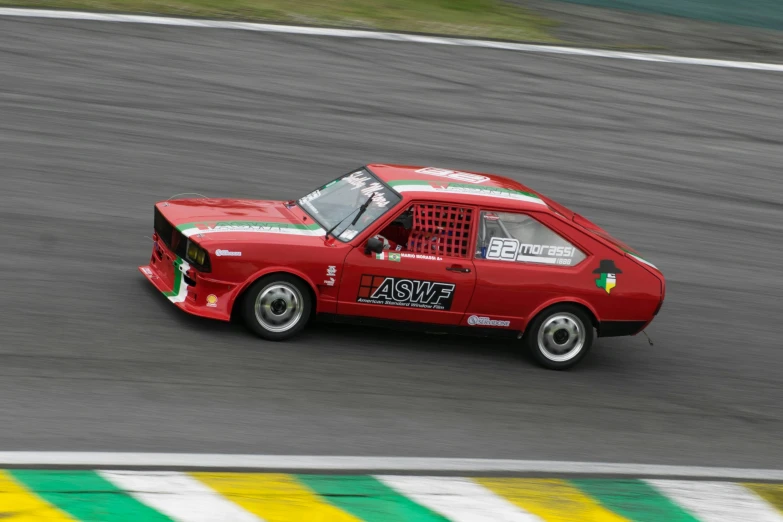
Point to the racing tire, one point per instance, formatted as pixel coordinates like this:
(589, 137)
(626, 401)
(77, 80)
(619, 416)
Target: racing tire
(277, 307)
(560, 336)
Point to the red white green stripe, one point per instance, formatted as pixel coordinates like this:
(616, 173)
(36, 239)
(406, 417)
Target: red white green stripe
(466, 189)
(641, 260)
(261, 227)
(180, 290)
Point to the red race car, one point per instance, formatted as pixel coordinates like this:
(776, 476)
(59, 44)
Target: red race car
(403, 246)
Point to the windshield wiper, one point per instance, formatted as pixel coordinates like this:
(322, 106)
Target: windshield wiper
(362, 210)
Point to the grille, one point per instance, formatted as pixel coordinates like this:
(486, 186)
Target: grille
(170, 236)
(441, 230)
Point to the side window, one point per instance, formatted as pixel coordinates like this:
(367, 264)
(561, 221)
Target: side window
(429, 229)
(507, 236)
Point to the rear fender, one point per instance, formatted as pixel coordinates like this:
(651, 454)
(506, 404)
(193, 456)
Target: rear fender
(564, 300)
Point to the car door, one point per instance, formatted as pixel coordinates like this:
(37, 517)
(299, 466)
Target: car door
(522, 262)
(430, 279)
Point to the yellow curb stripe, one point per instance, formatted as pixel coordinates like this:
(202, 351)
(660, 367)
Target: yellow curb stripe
(772, 493)
(275, 497)
(552, 500)
(19, 504)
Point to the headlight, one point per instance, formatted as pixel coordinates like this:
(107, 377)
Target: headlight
(197, 255)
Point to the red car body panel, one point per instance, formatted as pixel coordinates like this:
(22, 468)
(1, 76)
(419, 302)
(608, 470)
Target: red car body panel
(246, 239)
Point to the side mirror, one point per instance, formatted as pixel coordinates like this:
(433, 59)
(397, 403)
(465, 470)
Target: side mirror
(373, 245)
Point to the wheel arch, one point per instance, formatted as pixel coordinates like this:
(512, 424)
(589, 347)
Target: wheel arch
(584, 305)
(242, 292)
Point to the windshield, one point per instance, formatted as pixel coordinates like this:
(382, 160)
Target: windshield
(341, 199)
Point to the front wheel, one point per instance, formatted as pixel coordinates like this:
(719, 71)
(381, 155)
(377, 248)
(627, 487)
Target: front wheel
(560, 336)
(277, 307)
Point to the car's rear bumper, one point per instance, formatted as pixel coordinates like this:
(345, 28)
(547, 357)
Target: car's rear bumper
(620, 328)
(187, 288)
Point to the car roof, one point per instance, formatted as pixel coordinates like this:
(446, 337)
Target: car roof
(462, 186)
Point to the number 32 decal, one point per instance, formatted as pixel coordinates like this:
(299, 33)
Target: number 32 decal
(503, 249)
(509, 249)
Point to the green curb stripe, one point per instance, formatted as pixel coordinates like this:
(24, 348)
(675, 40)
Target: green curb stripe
(368, 499)
(86, 496)
(634, 500)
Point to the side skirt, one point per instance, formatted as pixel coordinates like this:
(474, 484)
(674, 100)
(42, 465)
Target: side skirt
(411, 326)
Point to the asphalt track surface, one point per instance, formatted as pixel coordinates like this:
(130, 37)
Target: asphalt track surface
(99, 121)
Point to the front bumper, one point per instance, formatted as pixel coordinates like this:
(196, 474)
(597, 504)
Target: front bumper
(188, 289)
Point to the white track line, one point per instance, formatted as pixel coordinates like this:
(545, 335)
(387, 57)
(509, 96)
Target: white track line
(317, 462)
(178, 496)
(373, 35)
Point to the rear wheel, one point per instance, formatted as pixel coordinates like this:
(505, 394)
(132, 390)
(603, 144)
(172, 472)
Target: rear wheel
(560, 336)
(277, 307)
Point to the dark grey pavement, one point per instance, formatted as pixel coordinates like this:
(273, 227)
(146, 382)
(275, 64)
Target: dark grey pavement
(99, 121)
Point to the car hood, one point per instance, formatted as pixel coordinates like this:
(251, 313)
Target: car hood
(234, 219)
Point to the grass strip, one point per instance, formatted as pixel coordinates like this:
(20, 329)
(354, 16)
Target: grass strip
(466, 18)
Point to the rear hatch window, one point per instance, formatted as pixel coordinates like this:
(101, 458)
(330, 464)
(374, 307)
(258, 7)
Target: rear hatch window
(600, 232)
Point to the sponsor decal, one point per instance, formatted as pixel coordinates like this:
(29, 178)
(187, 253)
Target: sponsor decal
(220, 253)
(212, 300)
(359, 182)
(426, 257)
(146, 271)
(391, 256)
(331, 272)
(608, 278)
(475, 320)
(509, 249)
(309, 198)
(409, 293)
(191, 229)
(453, 174)
(349, 234)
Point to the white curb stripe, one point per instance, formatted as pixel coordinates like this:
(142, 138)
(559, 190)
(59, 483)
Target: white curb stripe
(372, 35)
(718, 501)
(458, 499)
(178, 496)
(381, 464)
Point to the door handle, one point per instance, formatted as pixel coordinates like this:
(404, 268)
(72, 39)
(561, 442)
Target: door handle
(457, 268)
